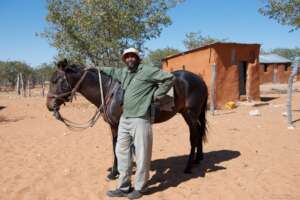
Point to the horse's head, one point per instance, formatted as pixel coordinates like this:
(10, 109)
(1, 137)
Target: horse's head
(61, 84)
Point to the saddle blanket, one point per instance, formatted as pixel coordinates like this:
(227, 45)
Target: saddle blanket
(167, 102)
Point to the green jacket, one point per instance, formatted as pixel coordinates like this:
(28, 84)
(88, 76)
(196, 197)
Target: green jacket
(140, 87)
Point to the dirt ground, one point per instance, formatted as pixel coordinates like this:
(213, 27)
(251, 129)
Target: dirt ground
(246, 157)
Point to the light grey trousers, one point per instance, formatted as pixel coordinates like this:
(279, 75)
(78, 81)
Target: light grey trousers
(137, 133)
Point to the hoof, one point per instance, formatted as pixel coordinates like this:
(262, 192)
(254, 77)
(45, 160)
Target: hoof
(112, 176)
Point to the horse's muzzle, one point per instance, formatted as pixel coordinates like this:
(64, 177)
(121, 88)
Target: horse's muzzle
(52, 104)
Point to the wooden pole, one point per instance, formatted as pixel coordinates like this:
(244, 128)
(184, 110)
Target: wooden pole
(290, 92)
(22, 85)
(28, 88)
(43, 88)
(212, 89)
(289, 101)
(18, 85)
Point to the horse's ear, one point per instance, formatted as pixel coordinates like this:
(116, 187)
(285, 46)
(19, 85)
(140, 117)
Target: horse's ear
(62, 64)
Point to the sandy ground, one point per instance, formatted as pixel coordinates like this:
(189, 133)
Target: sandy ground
(246, 157)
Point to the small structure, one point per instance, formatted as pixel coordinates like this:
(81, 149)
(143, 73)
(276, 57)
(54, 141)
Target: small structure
(230, 70)
(274, 68)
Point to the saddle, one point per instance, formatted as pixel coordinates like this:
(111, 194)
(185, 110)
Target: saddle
(115, 98)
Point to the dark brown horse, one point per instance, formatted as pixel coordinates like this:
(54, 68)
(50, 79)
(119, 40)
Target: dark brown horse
(190, 93)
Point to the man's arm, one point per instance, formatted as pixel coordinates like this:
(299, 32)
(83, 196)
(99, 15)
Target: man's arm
(115, 73)
(164, 81)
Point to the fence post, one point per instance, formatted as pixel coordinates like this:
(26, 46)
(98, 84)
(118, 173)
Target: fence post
(43, 88)
(22, 85)
(294, 73)
(212, 89)
(18, 85)
(28, 88)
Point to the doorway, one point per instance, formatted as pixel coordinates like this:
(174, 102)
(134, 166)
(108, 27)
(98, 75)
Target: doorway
(242, 77)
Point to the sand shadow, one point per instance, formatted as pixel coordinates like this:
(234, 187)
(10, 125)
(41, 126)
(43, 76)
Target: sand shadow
(6, 120)
(224, 113)
(267, 99)
(2, 107)
(169, 171)
(297, 120)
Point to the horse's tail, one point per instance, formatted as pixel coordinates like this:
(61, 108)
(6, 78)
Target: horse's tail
(203, 121)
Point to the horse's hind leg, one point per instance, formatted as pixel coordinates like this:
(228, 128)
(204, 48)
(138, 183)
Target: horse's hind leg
(192, 122)
(199, 144)
(201, 133)
(199, 154)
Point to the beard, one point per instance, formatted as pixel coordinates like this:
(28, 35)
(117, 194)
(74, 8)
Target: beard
(132, 66)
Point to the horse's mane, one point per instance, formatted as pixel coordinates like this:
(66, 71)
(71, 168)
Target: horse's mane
(74, 66)
(93, 70)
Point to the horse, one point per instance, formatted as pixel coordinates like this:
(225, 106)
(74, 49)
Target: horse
(190, 99)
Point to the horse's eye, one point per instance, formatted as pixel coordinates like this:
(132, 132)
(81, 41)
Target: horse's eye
(65, 85)
(54, 79)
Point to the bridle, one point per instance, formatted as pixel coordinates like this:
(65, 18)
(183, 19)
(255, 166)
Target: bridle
(68, 96)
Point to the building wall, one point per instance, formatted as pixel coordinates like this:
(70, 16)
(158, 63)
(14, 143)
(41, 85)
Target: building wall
(266, 77)
(227, 58)
(282, 75)
(271, 76)
(228, 72)
(227, 76)
(197, 62)
(253, 77)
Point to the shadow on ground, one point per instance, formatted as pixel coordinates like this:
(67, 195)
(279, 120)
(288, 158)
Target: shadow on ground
(267, 99)
(5, 119)
(169, 171)
(297, 120)
(2, 107)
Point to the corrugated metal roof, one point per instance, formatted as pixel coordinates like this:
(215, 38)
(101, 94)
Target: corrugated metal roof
(272, 58)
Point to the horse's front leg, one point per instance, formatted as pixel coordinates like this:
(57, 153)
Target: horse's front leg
(114, 170)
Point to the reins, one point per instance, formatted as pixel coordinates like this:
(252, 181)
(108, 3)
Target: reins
(92, 121)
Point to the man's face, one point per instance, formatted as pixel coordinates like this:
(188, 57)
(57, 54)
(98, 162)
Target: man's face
(132, 61)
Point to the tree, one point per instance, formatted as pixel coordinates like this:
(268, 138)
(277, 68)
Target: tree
(196, 39)
(44, 72)
(98, 30)
(155, 57)
(285, 12)
(10, 69)
(287, 53)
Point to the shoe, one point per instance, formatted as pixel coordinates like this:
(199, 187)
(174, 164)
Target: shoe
(135, 194)
(116, 193)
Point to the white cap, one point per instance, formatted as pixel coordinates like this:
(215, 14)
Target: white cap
(131, 50)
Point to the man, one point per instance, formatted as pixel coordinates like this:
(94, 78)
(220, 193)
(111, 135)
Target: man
(141, 84)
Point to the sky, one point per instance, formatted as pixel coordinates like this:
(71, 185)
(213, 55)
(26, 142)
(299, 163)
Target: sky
(234, 20)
